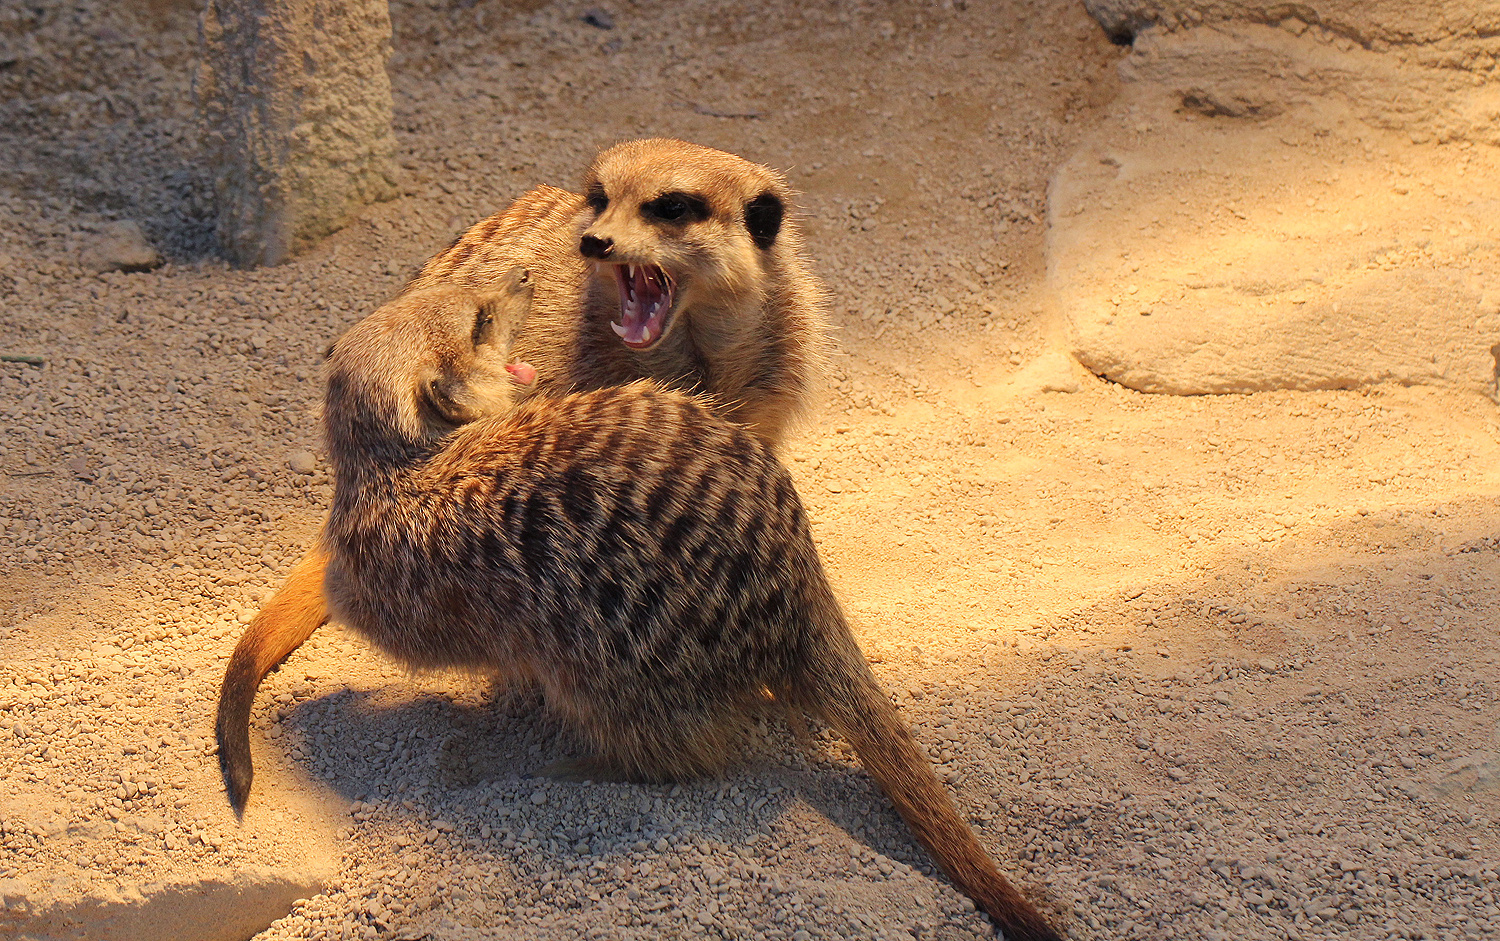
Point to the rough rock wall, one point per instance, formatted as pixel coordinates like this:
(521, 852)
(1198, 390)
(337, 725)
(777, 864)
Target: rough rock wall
(296, 105)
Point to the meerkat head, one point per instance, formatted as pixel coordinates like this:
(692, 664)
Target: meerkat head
(671, 226)
(425, 364)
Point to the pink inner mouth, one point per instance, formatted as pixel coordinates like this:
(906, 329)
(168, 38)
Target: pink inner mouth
(645, 299)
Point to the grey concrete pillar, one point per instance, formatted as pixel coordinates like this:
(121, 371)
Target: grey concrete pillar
(296, 105)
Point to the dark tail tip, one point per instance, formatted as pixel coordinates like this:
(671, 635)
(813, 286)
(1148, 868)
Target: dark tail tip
(237, 778)
(233, 733)
(1016, 917)
(1027, 925)
(860, 711)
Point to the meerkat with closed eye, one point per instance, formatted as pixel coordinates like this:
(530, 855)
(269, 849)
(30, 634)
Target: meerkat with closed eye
(678, 263)
(643, 561)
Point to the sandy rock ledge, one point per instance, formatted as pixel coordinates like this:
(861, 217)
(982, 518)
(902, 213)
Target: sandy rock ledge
(228, 905)
(1278, 207)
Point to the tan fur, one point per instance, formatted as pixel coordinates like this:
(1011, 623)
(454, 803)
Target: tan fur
(751, 327)
(644, 561)
(283, 625)
(749, 330)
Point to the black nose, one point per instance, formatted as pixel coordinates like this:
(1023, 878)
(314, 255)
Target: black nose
(592, 246)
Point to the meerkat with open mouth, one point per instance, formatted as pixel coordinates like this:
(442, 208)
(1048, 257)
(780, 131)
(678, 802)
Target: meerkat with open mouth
(678, 263)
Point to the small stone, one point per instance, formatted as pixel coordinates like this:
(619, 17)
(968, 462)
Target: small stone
(1050, 372)
(598, 18)
(538, 798)
(302, 462)
(121, 246)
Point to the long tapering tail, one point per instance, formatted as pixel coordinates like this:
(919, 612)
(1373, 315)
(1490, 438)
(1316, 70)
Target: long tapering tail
(854, 704)
(288, 619)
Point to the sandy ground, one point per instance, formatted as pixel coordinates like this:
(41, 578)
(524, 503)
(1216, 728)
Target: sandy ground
(1210, 667)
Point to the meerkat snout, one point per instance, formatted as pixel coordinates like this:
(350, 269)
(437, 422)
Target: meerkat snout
(592, 246)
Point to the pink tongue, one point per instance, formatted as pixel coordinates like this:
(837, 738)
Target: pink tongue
(640, 298)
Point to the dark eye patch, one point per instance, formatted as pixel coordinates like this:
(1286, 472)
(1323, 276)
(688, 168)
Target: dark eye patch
(676, 207)
(596, 199)
(444, 398)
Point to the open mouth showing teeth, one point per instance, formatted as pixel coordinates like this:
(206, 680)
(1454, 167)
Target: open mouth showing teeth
(646, 294)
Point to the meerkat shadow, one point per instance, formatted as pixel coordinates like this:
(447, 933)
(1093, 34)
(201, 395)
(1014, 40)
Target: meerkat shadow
(392, 742)
(507, 735)
(361, 742)
(477, 734)
(843, 793)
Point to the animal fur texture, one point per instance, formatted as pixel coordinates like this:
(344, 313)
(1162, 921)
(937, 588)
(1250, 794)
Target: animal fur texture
(645, 562)
(717, 299)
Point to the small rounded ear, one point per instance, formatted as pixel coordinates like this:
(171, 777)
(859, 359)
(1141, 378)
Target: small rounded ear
(763, 219)
(500, 315)
(445, 396)
(520, 285)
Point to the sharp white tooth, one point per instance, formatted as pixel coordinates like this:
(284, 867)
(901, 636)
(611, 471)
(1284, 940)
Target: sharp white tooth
(619, 330)
(630, 272)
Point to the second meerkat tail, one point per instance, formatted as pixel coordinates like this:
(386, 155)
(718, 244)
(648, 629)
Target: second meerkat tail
(855, 705)
(296, 610)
